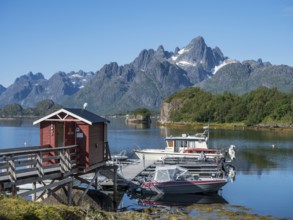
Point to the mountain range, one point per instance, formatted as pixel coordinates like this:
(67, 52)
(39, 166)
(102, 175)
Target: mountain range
(151, 77)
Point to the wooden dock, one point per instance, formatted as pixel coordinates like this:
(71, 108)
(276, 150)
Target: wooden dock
(47, 170)
(132, 170)
(197, 167)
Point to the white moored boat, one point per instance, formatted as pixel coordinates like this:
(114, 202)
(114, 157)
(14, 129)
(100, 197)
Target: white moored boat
(184, 145)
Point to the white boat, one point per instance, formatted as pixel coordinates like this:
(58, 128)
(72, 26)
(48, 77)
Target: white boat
(184, 145)
(174, 179)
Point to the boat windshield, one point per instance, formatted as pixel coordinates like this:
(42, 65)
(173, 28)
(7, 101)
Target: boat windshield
(170, 173)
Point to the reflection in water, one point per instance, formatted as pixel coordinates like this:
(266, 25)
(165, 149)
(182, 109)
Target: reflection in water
(263, 159)
(139, 125)
(260, 160)
(131, 201)
(11, 122)
(181, 199)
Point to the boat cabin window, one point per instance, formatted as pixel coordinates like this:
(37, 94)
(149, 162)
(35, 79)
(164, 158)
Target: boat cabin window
(191, 144)
(177, 146)
(170, 143)
(180, 144)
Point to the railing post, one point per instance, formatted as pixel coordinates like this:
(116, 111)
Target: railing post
(67, 160)
(39, 164)
(11, 171)
(62, 162)
(12, 176)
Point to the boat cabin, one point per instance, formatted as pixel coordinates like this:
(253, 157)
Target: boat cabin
(186, 142)
(70, 126)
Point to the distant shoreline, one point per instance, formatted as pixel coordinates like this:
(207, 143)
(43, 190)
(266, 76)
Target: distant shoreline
(231, 126)
(198, 125)
(16, 118)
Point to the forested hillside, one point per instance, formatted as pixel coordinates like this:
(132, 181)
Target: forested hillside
(42, 108)
(261, 106)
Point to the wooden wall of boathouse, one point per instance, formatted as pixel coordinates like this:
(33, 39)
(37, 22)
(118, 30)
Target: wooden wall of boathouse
(91, 139)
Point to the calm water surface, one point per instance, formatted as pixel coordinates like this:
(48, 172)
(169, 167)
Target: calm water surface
(264, 180)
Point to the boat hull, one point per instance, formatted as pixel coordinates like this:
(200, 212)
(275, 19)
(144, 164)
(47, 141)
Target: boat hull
(186, 187)
(156, 154)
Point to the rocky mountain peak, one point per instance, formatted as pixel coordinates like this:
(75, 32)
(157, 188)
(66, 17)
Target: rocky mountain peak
(197, 43)
(197, 54)
(110, 69)
(143, 59)
(29, 77)
(2, 89)
(161, 53)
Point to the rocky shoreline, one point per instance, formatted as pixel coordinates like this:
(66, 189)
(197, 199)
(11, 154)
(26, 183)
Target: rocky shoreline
(35, 210)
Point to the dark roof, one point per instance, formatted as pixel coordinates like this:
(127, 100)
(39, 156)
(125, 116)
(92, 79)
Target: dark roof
(83, 113)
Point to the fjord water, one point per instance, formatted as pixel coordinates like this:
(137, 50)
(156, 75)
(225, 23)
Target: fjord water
(264, 162)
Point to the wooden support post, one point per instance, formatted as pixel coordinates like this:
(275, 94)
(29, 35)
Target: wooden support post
(13, 190)
(115, 186)
(34, 186)
(96, 180)
(86, 190)
(69, 196)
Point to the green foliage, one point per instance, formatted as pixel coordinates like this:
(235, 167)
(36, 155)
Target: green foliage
(46, 107)
(141, 111)
(42, 108)
(12, 110)
(17, 209)
(259, 106)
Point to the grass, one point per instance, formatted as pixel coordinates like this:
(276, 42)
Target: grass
(18, 209)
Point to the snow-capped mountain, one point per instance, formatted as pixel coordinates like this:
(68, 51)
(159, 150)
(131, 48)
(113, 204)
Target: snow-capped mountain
(29, 89)
(150, 78)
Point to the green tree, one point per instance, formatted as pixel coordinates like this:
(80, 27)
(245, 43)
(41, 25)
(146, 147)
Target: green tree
(12, 110)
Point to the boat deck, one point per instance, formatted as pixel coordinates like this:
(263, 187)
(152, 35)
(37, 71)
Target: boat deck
(132, 171)
(193, 165)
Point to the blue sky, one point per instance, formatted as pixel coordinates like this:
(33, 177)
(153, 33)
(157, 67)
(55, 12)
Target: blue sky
(48, 36)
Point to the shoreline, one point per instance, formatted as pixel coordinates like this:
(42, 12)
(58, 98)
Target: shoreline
(229, 126)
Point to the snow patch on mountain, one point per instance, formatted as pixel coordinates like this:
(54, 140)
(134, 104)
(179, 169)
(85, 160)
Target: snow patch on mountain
(226, 62)
(180, 52)
(76, 75)
(185, 63)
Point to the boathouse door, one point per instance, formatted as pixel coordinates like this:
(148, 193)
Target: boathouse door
(60, 134)
(65, 134)
(69, 133)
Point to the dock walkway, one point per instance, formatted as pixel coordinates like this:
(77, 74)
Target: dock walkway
(130, 171)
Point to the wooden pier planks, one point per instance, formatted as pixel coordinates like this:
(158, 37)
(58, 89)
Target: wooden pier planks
(132, 170)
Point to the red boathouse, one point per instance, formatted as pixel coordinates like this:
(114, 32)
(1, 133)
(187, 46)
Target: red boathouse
(69, 126)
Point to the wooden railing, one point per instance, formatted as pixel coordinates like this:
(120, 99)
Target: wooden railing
(19, 163)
